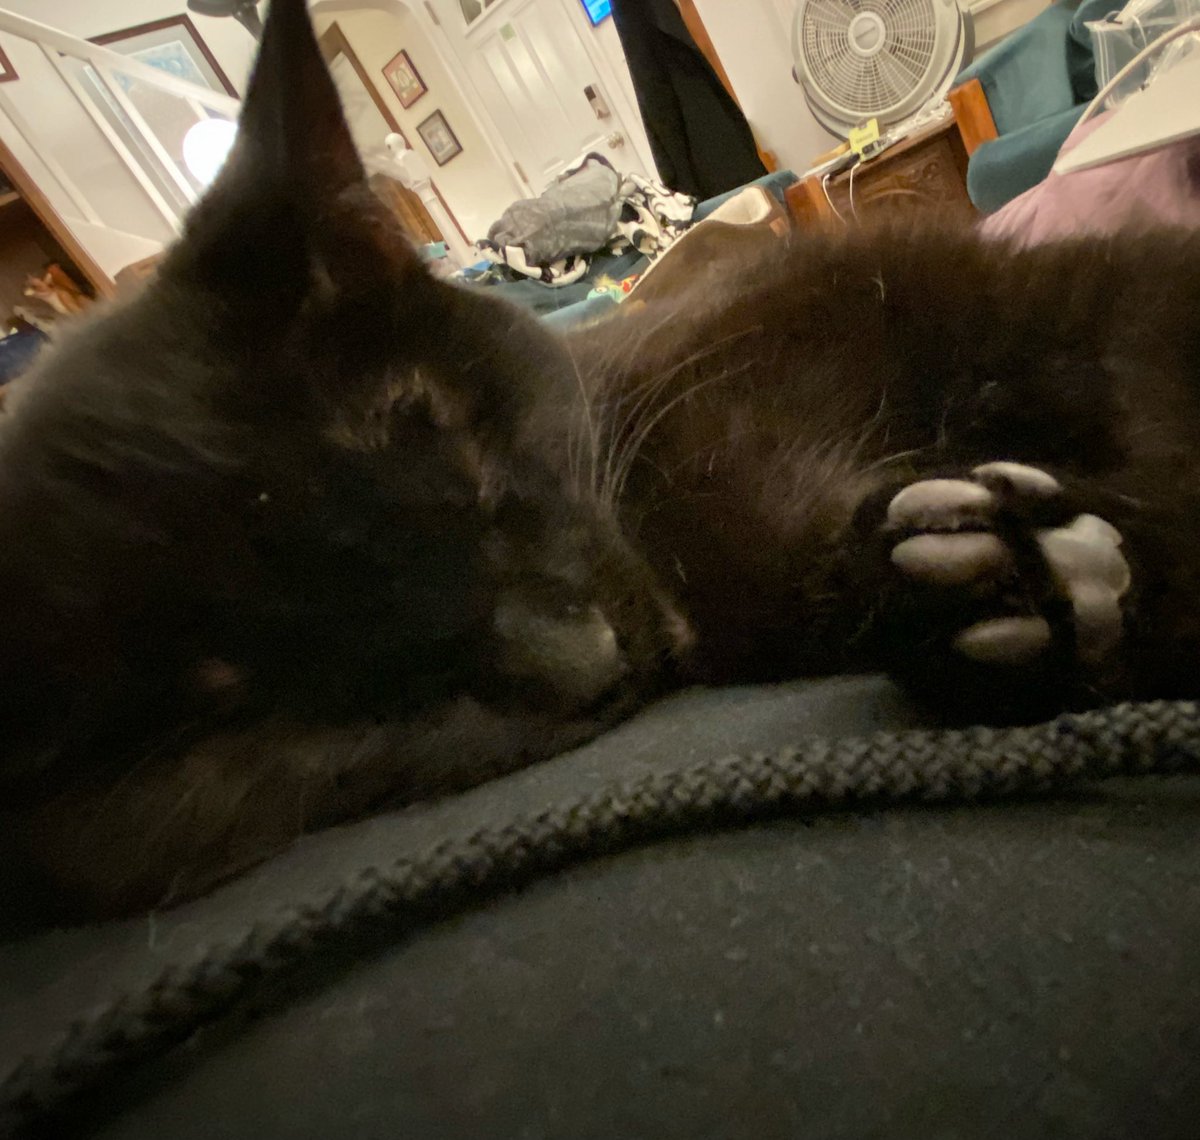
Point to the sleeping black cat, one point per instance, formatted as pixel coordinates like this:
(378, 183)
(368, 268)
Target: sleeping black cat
(302, 531)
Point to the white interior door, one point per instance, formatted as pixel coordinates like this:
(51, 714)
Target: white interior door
(542, 91)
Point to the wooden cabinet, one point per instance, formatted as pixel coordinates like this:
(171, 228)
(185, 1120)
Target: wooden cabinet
(924, 173)
(408, 209)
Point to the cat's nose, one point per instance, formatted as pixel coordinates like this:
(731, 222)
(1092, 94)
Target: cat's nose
(574, 651)
(679, 632)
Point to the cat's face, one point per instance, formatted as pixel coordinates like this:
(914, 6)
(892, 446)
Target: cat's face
(296, 486)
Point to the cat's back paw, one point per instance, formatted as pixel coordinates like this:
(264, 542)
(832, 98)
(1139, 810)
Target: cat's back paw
(1004, 592)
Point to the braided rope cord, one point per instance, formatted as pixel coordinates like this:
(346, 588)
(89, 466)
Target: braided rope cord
(916, 766)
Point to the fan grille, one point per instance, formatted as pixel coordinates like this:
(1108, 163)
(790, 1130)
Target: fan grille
(868, 83)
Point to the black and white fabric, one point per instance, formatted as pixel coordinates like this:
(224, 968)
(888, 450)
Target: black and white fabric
(562, 271)
(652, 216)
(590, 208)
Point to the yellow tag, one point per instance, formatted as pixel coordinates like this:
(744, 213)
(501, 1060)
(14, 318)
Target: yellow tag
(862, 137)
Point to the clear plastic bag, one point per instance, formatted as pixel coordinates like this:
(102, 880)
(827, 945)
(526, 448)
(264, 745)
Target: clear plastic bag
(1121, 35)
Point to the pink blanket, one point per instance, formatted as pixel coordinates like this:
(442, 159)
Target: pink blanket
(1159, 187)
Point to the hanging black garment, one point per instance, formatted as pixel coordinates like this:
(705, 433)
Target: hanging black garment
(701, 142)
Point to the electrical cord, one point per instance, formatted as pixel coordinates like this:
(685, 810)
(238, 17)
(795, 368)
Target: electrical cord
(829, 198)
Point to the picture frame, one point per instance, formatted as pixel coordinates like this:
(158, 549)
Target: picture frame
(404, 79)
(172, 45)
(436, 134)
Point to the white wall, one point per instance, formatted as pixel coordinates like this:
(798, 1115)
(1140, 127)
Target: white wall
(994, 19)
(475, 186)
(757, 55)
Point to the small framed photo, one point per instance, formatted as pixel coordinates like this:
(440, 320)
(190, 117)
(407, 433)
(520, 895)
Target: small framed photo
(436, 134)
(404, 79)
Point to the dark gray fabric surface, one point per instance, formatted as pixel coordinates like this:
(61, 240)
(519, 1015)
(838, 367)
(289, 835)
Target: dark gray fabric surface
(50, 977)
(998, 972)
(1020, 970)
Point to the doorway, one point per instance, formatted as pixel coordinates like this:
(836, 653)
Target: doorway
(540, 86)
(370, 121)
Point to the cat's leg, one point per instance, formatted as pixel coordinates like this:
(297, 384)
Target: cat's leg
(1003, 596)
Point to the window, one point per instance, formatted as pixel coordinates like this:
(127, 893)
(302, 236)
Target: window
(473, 9)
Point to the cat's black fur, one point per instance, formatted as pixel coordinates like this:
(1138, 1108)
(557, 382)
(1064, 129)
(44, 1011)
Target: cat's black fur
(301, 530)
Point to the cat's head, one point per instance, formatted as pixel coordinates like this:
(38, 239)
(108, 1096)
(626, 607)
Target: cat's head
(296, 485)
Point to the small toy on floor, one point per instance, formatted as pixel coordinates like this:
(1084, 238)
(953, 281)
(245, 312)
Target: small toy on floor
(615, 290)
(56, 289)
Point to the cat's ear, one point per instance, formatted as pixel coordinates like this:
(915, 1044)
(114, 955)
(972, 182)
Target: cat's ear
(277, 216)
(292, 129)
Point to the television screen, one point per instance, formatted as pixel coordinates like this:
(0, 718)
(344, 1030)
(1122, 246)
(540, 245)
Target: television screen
(597, 10)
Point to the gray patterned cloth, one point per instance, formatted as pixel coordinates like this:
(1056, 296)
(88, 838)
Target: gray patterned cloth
(590, 207)
(576, 214)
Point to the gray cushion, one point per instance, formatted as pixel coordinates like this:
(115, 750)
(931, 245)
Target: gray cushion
(1025, 969)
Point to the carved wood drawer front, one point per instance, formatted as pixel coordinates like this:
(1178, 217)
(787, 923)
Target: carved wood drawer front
(925, 177)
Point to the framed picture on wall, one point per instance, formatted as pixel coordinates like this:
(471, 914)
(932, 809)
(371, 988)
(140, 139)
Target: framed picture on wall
(404, 79)
(172, 45)
(436, 134)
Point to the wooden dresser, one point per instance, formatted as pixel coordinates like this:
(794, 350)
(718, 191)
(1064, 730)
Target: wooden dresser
(926, 171)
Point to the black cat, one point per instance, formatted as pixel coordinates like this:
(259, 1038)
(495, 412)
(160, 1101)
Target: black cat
(301, 530)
